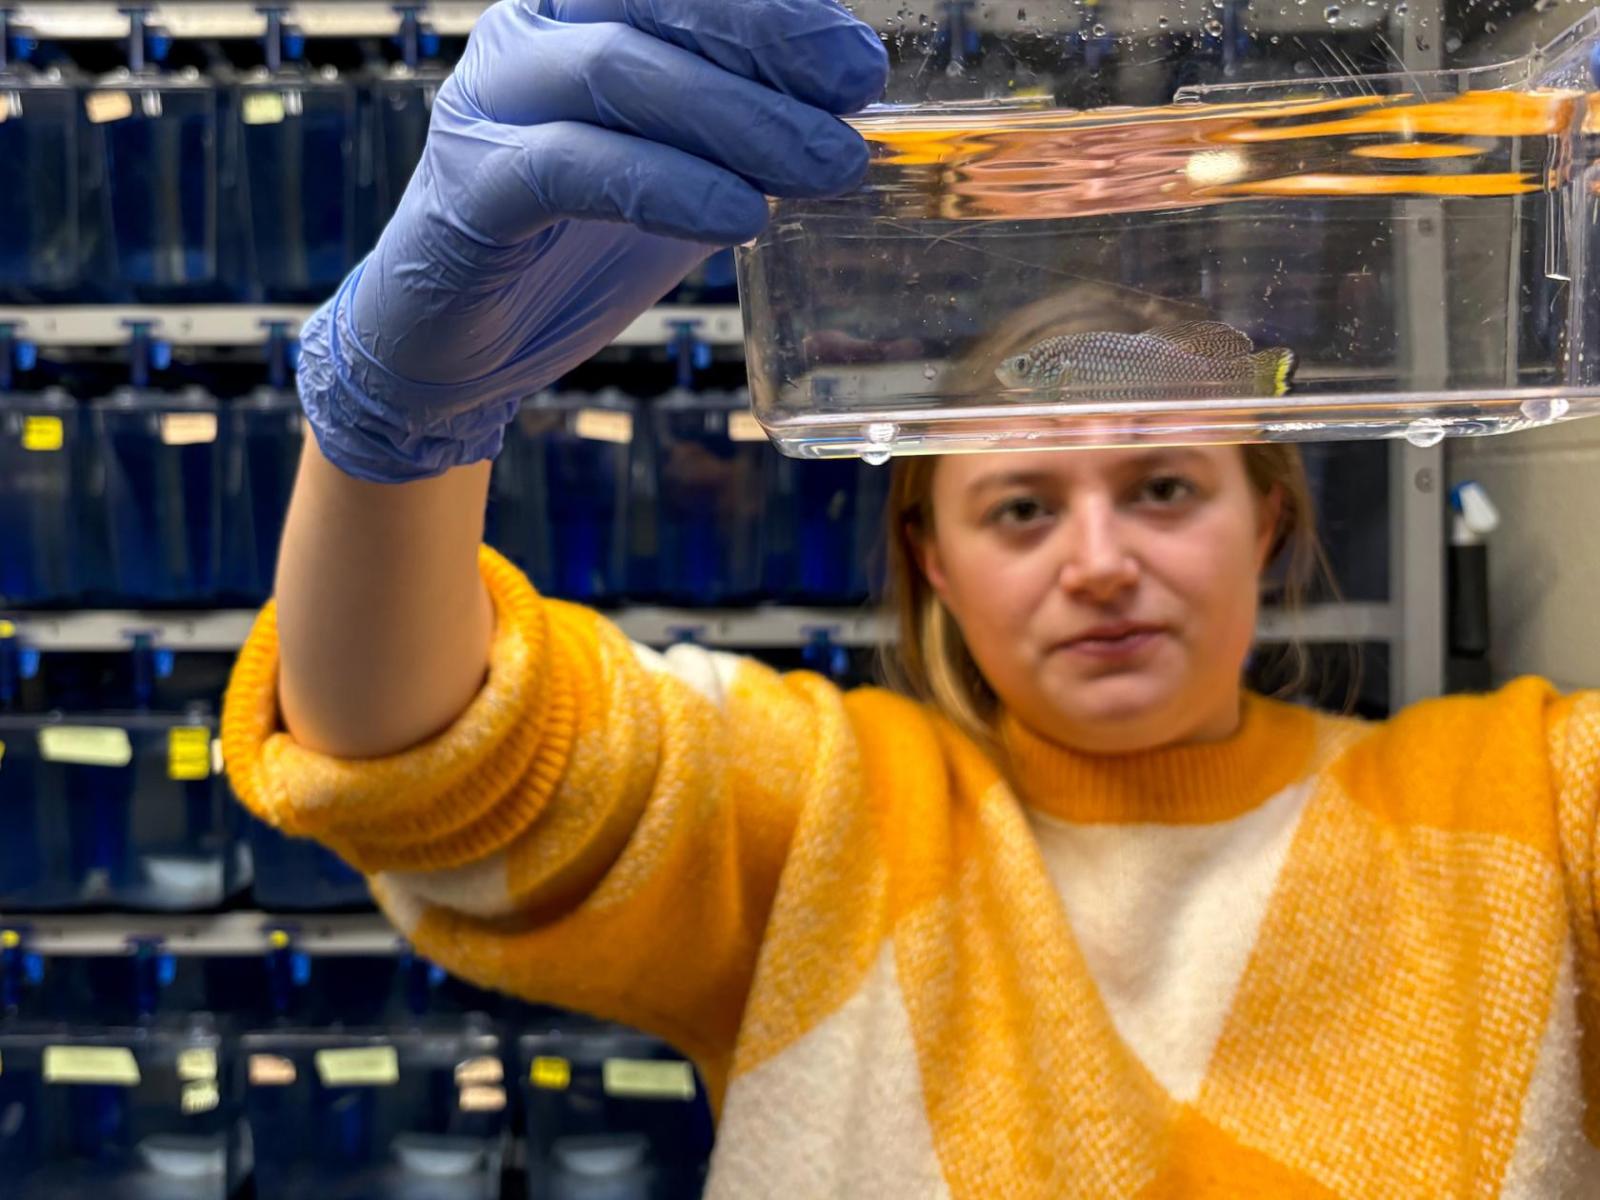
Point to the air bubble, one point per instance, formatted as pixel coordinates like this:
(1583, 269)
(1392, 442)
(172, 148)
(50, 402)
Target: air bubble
(1544, 410)
(875, 457)
(1331, 13)
(930, 372)
(880, 433)
(1425, 433)
(1099, 31)
(1401, 10)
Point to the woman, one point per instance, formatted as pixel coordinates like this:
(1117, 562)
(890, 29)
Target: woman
(1080, 917)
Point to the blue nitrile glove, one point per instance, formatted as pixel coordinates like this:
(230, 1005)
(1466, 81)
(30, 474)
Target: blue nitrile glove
(583, 157)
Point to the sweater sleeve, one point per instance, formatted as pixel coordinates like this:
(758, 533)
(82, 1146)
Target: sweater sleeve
(1573, 733)
(602, 829)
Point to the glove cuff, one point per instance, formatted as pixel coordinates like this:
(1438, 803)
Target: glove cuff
(380, 427)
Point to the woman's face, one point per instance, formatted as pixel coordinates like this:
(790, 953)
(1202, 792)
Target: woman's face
(1109, 596)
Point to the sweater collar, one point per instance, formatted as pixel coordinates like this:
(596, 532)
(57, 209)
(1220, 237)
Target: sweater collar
(1179, 785)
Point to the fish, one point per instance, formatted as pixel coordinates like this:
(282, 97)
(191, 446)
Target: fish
(1194, 355)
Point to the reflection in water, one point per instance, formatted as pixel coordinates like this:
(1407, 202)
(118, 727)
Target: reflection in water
(1040, 165)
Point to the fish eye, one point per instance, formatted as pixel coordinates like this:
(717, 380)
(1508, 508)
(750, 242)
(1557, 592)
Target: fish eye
(1019, 364)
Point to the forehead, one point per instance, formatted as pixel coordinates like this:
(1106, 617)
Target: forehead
(961, 473)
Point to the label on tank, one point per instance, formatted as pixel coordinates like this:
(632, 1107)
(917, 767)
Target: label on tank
(188, 429)
(102, 107)
(91, 1064)
(43, 434)
(271, 1070)
(199, 1062)
(189, 754)
(645, 1079)
(743, 427)
(551, 1074)
(482, 1098)
(359, 1066)
(603, 425)
(263, 108)
(85, 746)
(200, 1097)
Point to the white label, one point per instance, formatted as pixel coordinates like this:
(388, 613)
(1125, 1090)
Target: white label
(216, 756)
(603, 425)
(482, 1099)
(91, 1064)
(199, 1097)
(188, 429)
(743, 427)
(198, 1063)
(646, 1079)
(108, 106)
(85, 746)
(269, 1070)
(359, 1066)
(479, 1070)
(263, 108)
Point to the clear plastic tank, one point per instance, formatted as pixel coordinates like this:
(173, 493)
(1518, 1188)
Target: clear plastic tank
(41, 140)
(41, 450)
(1248, 261)
(121, 810)
(307, 177)
(262, 437)
(155, 494)
(611, 1115)
(299, 875)
(560, 496)
(146, 1113)
(404, 1114)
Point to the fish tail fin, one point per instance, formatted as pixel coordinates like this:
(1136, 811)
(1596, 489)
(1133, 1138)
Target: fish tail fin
(1272, 369)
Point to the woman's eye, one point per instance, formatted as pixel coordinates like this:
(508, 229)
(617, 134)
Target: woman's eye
(1022, 510)
(1167, 489)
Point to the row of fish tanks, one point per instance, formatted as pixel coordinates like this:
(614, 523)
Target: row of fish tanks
(282, 1074)
(155, 171)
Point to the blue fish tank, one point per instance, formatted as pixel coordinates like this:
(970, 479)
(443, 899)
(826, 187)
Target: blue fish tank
(42, 448)
(299, 875)
(41, 143)
(825, 530)
(711, 466)
(123, 811)
(611, 1114)
(262, 436)
(136, 1113)
(409, 1113)
(560, 497)
(306, 173)
(156, 169)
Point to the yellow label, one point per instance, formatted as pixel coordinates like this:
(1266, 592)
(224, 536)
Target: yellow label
(479, 1070)
(482, 1099)
(188, 429)
(43, 434)
(551, 1074)
(199, 1097)
(359, 1066)
(188, 754)
(108, 106)
(743, 427)
(603, 425)
(7, 629)
(2, 754)
(268, 1070)
(263, 108)
(91, 1064)
(197, 1064)
(644, 1079)
(85, 746)
(10, 939)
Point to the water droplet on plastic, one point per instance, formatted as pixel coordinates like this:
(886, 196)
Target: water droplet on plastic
(1401, 10)
(875, 458)
(1276, 39)
(1163, 22)
(1452, 43)
(930, 372)
(1545, 410)
(1099, 31)
(880, 433)
(1213, 27)
(1331, 13)
(1425, 433)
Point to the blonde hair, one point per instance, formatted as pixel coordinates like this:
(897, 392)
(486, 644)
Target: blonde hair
(929, 659)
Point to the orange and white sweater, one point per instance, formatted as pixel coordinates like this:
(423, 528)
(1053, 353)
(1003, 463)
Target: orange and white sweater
(1323, 958)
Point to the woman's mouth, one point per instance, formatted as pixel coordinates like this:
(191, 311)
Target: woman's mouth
(1111, 643)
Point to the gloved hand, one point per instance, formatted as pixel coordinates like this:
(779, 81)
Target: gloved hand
(582, 158)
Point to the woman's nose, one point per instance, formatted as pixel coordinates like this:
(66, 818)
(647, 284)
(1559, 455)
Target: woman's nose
(1098, 563)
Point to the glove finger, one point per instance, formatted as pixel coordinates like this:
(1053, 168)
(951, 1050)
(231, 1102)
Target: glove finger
(524, 177)
(812, 50)
(526, 70)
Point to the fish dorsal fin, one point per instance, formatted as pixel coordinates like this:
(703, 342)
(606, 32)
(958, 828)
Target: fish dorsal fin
(1210, 339)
